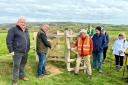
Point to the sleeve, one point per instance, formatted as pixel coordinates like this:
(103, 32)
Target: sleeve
(91, 45)
(107, 38)
(104, 42)
(74, 45)
(28, 42)
(44, 40)
(9, 40)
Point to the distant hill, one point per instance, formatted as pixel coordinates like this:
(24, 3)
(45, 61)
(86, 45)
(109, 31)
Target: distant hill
(63, 25)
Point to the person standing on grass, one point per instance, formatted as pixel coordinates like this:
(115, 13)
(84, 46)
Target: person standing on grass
(18, 44)
(84, 47)
(119, 47)
(99, 42)
(42, 49)
(106, 45)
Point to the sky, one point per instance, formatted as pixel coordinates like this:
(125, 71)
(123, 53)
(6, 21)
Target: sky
(87, 11)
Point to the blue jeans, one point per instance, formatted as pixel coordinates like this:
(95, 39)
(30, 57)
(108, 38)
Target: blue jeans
(97, 57)
(41, 64)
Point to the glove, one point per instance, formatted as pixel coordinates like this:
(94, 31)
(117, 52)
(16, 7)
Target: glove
(12, 53)
(120, 51)
(71, 49)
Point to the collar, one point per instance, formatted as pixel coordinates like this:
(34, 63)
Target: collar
(21, 28)
(42, 31)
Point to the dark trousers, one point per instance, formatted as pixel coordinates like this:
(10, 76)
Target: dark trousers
(119, 60)
(19, 62)
(105, 52)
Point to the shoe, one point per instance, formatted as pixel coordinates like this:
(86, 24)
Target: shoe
(120, 68)
(24, 78)
(14, 83)
(89, 77)
(100, 71)
(93, 69)
(76, 73)
(117, 67)
(41, 76)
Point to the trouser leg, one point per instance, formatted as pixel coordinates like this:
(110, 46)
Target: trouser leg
(16, 66)
(22, 65)
(88, 65)
(117, 60)
(99, 60)
(78, 61)
(41, 64)
(104, 53)
(94, 60)
(121, 60)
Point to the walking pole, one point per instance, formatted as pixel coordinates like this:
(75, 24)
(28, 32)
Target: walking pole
(110, 59)
(109, 65)
(124, 66)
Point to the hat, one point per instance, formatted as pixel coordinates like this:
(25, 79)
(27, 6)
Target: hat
(83, 30)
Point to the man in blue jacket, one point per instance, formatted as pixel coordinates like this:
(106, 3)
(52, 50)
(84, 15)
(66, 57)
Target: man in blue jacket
(18, 44)
(99, 42)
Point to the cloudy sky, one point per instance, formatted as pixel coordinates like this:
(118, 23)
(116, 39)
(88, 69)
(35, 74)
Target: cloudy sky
(91, 11)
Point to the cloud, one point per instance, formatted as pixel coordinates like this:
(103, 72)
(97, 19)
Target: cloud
(98, 11)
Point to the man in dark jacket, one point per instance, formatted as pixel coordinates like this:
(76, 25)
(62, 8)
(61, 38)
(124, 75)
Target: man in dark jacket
(42, 49)
(18, 44)
(99, 41)
(106, 45)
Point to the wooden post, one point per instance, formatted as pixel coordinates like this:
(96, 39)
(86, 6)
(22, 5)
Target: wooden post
(67, 53)
(35, 38)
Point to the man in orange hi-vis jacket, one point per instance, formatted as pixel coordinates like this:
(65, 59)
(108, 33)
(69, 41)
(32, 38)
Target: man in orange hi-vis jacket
(84, 47)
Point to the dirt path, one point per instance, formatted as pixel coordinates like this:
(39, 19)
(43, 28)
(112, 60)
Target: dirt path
(53, 69)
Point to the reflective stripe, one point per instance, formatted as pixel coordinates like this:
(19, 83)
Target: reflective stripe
(84, 49)
(83, 45)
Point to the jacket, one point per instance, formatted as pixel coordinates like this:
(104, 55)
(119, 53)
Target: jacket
(42, 42)
(120, 45)
(98, 43)
(18, 40)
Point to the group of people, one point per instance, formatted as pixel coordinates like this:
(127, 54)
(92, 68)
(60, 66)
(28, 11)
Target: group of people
(95, 44)
(18, 43)
(91, 44)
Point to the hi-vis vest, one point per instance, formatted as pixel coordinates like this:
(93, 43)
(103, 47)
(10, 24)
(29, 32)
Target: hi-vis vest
(84, 47)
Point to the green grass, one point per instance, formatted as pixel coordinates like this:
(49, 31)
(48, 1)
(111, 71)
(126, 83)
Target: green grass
(109, 76)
